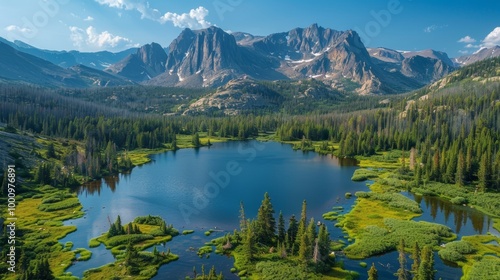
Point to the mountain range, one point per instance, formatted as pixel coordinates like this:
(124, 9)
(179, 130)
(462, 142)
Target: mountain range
(212, 57)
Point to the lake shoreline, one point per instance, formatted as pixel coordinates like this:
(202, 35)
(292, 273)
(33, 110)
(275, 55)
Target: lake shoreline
(363, 162)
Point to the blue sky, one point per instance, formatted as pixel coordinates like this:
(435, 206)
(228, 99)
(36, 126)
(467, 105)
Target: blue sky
(456, 27)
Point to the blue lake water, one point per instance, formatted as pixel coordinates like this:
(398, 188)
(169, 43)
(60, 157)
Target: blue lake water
(202, 189)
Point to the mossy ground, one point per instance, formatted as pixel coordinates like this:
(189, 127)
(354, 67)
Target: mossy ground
(484, 263)
(43, 229)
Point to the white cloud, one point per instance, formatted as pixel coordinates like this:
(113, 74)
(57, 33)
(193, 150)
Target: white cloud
(194, 19)
(90, 37)
(140, 5)
(467, 39)
(430, 28)
(88, 18)
(463, 51)
(77, 36)
(15, 28)
(492, 39)
(471, 46)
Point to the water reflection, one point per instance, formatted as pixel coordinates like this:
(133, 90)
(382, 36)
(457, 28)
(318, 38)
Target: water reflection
(439, 211)
(94, 187)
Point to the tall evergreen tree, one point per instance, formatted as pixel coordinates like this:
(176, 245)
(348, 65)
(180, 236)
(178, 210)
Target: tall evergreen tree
(484, 173)
(323, 242)
(415, 255)
(266, 224)
(243, 220)
(281, 228)
(460, 174)
(293, 228)
(302, 224)
(402, 272)
(248, 242)
(426, 267)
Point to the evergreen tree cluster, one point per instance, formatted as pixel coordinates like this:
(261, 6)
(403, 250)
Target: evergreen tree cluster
(301, 241)
(116, 228)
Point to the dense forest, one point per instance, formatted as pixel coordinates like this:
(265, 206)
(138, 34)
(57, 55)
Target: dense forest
(449, 135)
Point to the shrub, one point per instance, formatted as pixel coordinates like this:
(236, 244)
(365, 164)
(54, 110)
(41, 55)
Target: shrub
(459, 200)
(149, 220)
(455, 251)
(205, 250)
(395, 200)
(68, 203)
(377, 240)
(124, 239)
(363, 174)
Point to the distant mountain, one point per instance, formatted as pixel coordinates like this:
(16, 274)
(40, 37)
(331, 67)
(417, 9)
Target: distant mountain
(386, 55)
(423, 67)
(148, 62)
(245, 39)
(431, 54)
(19, 67)
(97, 78)
(210, 58)
(482, 54)
(482, 71)
(97, 60)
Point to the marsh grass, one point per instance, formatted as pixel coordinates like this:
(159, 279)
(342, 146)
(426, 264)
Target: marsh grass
(41, 229)
(363, 174)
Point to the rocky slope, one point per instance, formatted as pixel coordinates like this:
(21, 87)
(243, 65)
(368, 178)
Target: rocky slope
(482, 54)
(147, 63)
(22, 68)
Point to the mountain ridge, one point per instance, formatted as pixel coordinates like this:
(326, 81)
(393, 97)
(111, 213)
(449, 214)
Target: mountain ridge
(212, 57)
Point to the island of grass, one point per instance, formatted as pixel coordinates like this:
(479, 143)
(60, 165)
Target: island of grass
(127, 243)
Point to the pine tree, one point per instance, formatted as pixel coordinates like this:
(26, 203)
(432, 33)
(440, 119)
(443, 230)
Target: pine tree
(42, 270)
(118, 226)
(304, 249)
(51, 152)
(112, 231)
(302, 224)
(372, 273)
(323, 242)
(415, 255)
(266, 224)
(281, 228)
(131, 255)
(484, 173)
(248, 242)
(460, 175)
(293, 228)
(426, 267)
(402, 272)
(243, 220)
(195, 140)
(311, 234)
